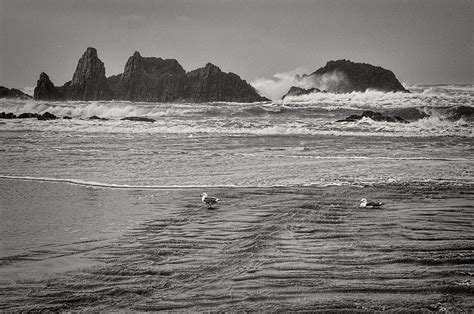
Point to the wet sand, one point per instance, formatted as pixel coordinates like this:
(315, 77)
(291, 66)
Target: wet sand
(261, 249)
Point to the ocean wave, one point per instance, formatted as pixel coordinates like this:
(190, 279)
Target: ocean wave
(119, 186)
(308, 156)
(331, 183)
(411, 108)
(433, 96)
(427, 127)
(430, 114)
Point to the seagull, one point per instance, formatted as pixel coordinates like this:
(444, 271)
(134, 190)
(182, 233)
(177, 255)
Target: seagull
(364, 203)
(208, 200)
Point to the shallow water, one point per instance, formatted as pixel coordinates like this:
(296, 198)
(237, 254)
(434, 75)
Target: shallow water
(260, 249)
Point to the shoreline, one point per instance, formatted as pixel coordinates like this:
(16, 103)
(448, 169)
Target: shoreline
(79, 182)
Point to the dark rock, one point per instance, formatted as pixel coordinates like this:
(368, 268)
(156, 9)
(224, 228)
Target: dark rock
(148, 79)
(89, 81)
(457, 113)
(28, 115)
(164, 80)
(45, 89)
(344, 76)
(13, 93)
(142, 119)
(97, 118)
(9, 115)
(297, 91)
(211, 84)
(409, 113)
(67, 118)
(47, 116)
(376, 116)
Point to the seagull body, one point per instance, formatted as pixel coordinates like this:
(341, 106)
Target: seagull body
(208, 200)
(364, 203)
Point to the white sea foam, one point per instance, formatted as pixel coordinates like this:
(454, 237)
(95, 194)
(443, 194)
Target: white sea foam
(121, 186)
(431, 126)
(381, 100)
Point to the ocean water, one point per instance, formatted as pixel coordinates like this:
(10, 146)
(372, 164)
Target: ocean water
(106, 215)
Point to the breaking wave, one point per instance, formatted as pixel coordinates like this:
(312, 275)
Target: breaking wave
(432, 111)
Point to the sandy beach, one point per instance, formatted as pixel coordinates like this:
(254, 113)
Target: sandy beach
(267, 249)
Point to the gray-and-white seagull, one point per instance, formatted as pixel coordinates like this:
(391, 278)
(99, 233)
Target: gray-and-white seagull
(364, 203)
(208, 200)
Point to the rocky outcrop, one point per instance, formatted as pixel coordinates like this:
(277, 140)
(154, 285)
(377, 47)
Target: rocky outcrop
(164, 80)
(140, 119)
(47, 116)
(13, 93)
(461, 112)
(211, 84)
(45, 89)
(28, 115)
(344, 76)
(148, 79)
(89, 81)
(98, 118)
(10, 115)
(297, 91)
(376, 116)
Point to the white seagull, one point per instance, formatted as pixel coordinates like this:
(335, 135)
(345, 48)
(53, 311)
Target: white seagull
(364, 203)
(208, 200)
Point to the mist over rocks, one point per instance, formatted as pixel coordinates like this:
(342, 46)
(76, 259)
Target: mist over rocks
(148, 79)
(13, 93)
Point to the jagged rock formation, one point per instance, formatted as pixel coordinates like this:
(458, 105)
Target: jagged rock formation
(164, 80)
(13, 93)
(45, 89)
(211, 84)
(297, 91)
(89, 81)
(344, 76)
(148, 79)
(376, 116)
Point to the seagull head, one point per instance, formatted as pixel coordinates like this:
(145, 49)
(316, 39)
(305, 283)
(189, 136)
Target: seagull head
(363, 202)
(203, 194)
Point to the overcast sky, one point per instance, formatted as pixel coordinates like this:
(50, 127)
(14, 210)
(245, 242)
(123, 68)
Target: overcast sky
(422, 42)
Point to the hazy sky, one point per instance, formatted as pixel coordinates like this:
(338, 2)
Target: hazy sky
(422, 42)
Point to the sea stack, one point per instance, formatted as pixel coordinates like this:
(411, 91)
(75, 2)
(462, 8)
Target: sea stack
(89, 81)
(149, 79)
(344, 76)
(165, 80)
(211, 84)
(13, 93)
(45, 89)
